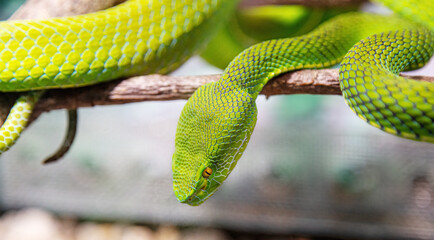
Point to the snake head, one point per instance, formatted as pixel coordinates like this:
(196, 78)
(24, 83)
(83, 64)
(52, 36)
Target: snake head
(213, 131)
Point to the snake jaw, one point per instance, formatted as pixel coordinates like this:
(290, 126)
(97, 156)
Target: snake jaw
(197, 197)
(204, 187)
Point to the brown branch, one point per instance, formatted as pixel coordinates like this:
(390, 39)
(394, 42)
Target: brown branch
(158, 87)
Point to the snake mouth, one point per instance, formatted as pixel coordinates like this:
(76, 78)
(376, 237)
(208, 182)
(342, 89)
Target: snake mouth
(190, 199)
(198, 195)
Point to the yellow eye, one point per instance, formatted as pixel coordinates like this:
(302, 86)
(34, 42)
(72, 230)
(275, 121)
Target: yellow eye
(207, 172)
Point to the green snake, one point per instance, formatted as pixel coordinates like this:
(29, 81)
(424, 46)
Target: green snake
(156, 36)
(218, 119)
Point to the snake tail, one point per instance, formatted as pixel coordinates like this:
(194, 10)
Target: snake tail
(68, 140)
(217, 121)
(374, 91)
(17, 119)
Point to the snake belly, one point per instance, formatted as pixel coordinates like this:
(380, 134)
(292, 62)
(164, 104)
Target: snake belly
(217, 121)
(135, 37)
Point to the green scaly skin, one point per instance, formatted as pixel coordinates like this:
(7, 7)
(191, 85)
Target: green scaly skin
(217, 121)
(374, 91)
(136, 37)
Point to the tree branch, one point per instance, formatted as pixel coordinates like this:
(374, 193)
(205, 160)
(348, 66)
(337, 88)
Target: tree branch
(159, 87)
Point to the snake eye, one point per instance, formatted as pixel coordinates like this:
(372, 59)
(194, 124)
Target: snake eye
(207, 172)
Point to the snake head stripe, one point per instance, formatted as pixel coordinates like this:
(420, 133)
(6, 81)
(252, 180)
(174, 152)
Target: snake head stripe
(212, 134)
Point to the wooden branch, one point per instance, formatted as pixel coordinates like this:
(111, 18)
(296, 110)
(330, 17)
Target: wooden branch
(158, 87)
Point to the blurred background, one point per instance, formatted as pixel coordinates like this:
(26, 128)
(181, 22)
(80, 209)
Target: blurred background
(312, 170)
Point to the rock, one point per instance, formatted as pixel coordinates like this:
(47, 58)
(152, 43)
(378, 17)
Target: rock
(204, 233)
(94, 231)
(137, 233)
(167, 233)
(30, 224)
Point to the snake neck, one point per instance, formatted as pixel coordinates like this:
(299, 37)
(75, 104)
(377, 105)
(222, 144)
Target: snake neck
(324, 47)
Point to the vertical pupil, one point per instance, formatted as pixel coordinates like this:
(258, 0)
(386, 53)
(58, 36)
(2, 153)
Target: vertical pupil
(207, 172)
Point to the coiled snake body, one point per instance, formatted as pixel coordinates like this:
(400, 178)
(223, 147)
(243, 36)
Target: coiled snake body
(144, 36)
